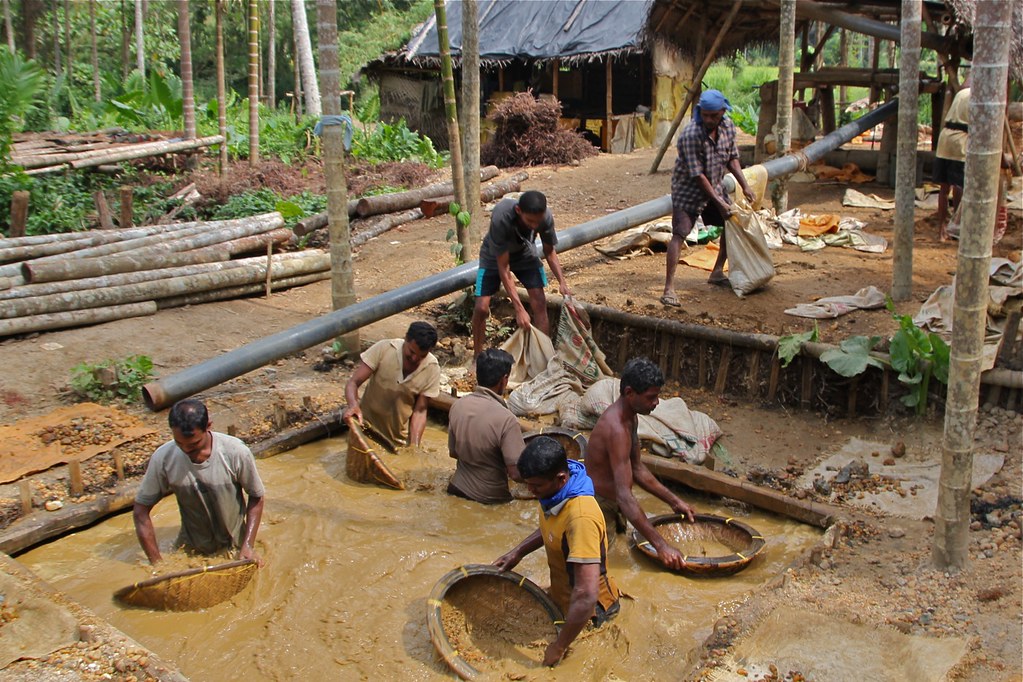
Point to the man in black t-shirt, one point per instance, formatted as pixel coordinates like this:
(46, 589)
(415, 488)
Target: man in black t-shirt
(509, 249)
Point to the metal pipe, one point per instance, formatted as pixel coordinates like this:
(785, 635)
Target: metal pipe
(808, 9)
(163, 393)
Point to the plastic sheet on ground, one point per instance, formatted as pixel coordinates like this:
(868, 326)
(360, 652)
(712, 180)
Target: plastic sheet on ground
(826, 648)
(672, 429)
(849, 233)
(1006, 283)
(909, 474)
(857, 199)
(867, 298)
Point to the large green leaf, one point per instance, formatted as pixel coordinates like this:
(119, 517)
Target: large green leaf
(852, 357)
(790, 346)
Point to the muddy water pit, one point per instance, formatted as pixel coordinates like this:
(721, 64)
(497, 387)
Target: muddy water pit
(350, 567)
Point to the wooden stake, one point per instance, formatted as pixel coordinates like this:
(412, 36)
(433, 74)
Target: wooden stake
(103, 210)
(701, 372)
(772, 386)
(806, 392)
(664, 361)
(127, 215)
(75, 470)
(884, 391)
(721, 380)
(753, 378)
(606, 142)
(307, 403)
(26, 497)
(853, 390)
(118, 464)
(19, 212)
(280, 414)
(232, 429)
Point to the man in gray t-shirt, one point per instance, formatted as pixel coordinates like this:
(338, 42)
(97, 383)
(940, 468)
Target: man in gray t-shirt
(507, 250)
(208, 473)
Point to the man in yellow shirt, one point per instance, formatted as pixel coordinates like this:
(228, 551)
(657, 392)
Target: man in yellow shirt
(573, 535)
(400, 376)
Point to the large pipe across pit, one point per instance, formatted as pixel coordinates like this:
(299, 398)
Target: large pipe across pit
(167, 391)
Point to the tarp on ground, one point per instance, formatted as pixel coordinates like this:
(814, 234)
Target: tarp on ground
(538, 29)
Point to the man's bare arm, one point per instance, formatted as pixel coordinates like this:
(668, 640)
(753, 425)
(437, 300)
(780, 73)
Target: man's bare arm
(504, 272)
(551, 254)
(145, 532)
(648, 482)
(417, 422)
(353, 410)
(580, 609)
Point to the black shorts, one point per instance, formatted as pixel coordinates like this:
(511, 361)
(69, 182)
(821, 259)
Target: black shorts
(949, 172)
(489, 281)
(711, 216)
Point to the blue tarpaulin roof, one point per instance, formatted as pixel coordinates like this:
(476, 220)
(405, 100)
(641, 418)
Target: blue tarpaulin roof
(540, 29)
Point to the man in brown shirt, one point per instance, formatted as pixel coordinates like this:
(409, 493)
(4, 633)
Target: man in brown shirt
(400, 376)
(484, 436)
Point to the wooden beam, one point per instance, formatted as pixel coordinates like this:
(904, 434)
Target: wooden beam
(608, 82)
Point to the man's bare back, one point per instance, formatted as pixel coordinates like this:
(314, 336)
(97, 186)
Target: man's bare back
(613, 441)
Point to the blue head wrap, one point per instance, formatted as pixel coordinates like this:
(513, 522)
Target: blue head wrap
(711, 100)
(578, 485)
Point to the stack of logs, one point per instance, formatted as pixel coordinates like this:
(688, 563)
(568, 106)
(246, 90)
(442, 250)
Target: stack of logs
(79, 278)
(372, 216)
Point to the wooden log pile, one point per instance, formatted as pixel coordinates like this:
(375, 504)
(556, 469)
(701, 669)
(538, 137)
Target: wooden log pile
(39, 155)
(69, 280)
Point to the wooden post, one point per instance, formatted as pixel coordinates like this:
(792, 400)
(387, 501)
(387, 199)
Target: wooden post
(232, 429)
(269, 268)
(843, 61)
(500, 79)
(772, 386)
(828, 118)
(695, 86)
(721, 380)
(556, 66)
(606, 132)
(127, 214)
(19, 212)
(280, 414)
(701, 372)
(118, 464)
(26, 497)
(75, 471)
(806, 389)
(307, 403)
(905, 161)
(753, 378)
(786, 77)
(853, 390)
(106, 222)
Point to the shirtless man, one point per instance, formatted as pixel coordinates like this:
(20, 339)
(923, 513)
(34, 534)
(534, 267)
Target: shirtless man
(614, 464)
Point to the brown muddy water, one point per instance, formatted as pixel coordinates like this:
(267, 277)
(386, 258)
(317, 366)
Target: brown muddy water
(350, 566)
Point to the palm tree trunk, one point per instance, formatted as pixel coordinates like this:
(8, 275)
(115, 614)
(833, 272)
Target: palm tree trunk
(125, 44)
(187, 91)
(96, 90)
(342, 288)
(783, 124)
(297, 95)
(992, 33)
(221, 84)
(305, 58)
(451, 113)
(31, 10)
(55, 26)
(253, 83)
(140, 46)
(271, 58)
(8, 26)
(905, 160)
(471, 122)
(67, 42)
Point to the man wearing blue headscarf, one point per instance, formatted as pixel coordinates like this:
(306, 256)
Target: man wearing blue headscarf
(706, 149)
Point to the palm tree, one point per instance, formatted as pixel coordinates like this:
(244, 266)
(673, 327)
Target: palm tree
(187, 93)
(7, 24)
(451, 113)
(140, 47)
(271, 58)
(221, 84)
(96, 91)
(253, 83)
(304, 56)
(471, 119)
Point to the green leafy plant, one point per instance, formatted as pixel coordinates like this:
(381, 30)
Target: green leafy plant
(917, 356)
(852, 356)
(790, 346)
(746, 117)
(395, 142)
(20, 83)
(112, 379)
(254, 202)
(462, 220)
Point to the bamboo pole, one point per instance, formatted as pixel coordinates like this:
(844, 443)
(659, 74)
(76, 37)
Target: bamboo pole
(127, 212)
(697, 79)
(470, 113)
(163, 288)
(75, 318)
(495, 190)
(992, 31)
(81, 240)
(253, 67)
(374, 228)
(783, 125)
(19, 212)
(221, 84)
(905, 161)
(451, 114)
(315, 222)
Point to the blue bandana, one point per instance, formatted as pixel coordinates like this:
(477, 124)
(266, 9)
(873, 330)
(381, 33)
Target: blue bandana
(711, 100)
(578, 485)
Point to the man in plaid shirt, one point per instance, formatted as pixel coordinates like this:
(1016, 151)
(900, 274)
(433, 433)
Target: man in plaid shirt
(706, 149)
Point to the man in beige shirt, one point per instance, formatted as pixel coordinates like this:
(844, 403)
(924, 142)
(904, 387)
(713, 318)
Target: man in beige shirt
(950, 157)
(400, 376)
(484, 436)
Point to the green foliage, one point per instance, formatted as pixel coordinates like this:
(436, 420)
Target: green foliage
(280, 136)
(917, 356)
(112, 379)
(254, 202)
(790, 346)
(742, 87)
(462, 220)
(853, 356)
(20, 83)
(395, 142)
(746, 117)
(373, 28)
(153, 105)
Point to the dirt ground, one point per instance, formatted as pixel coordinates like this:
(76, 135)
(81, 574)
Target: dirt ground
(879, 569)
